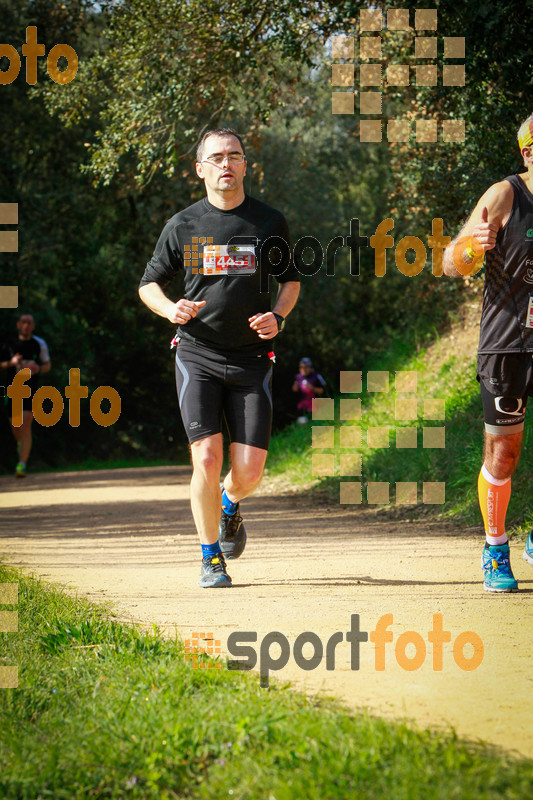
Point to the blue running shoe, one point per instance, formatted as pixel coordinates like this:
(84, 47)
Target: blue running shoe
(497, 569)
(231, 533)
(528, 549)
(214, 575)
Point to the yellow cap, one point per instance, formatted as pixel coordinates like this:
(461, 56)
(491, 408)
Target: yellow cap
(525, 135)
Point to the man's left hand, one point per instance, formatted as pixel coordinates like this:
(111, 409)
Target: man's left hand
(33, 366)
(265, 325)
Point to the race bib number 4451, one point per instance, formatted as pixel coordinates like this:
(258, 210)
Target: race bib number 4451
(233, 259)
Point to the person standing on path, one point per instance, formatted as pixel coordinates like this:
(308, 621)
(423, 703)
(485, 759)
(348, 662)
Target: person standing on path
(309, 384)
(19, 352)
(224, 350)
(501, 226)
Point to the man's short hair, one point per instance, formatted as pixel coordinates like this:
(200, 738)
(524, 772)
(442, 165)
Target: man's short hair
(216, 132)
(25, 314)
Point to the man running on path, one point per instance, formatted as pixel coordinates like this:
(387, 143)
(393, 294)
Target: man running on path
(223, 355)
(19, 352)
(501, 226)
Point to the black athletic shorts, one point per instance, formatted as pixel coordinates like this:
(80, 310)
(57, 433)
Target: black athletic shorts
(212, 385)
(27, 403)
(506, 382)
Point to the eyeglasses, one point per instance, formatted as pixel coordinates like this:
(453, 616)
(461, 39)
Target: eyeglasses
(233, 158)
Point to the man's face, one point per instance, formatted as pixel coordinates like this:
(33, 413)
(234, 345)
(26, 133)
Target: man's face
(217, 170)
(305, 369)
(25, 326)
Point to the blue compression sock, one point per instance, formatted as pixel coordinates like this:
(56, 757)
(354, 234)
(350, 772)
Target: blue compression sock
(228, 507)
(209, 550)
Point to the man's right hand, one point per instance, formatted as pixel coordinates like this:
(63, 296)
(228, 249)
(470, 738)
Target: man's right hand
(485, 232)
(16, 360)
(181, 312)
(478, 234)
(184, 310)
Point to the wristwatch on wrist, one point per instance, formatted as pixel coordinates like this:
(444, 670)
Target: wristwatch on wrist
(280, 320)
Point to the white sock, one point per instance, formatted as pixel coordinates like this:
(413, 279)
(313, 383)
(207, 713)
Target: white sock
(491, 540)
(491, 479)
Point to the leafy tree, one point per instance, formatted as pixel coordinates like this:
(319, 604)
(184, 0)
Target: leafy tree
(97, 166)
(166, 70)
(445, 180)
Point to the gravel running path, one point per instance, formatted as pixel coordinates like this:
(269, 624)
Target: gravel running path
(127, 536)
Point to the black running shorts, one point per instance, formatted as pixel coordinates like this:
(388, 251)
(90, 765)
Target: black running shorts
(211, 385)
(27, 404)
(506, 382)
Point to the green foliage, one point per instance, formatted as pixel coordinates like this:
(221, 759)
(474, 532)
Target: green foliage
(168, 71)
(83, 247)
(446, 180)
(457, 465)
(152, 76)
(105, 710)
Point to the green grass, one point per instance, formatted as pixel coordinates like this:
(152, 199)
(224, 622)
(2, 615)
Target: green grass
(119, 463)
(182, 459)
(450, 377)
(105, 710)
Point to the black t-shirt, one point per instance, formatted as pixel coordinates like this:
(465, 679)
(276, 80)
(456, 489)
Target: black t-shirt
(224, 262)
(505, 322)
(29, 349)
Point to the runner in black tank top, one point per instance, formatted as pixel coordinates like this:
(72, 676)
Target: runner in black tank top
(501, 226)
(509, 280)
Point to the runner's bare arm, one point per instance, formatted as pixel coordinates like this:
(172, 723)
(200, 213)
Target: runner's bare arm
(36, 367)
(266, 325)
(286, 299)
(14, 361)
(490, 214)
(181, 312)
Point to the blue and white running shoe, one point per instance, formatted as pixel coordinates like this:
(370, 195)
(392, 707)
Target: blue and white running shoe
(528, 549)
(497, 569)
